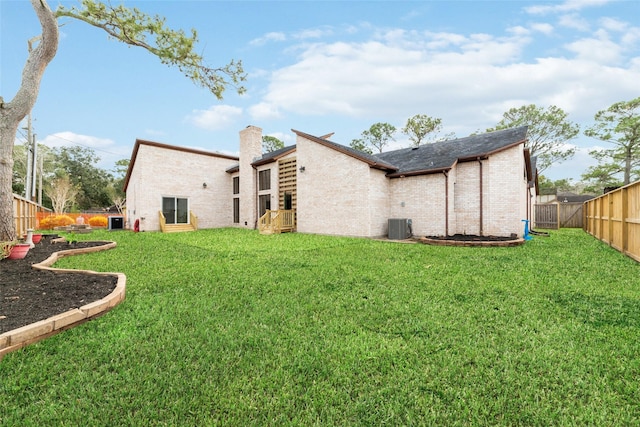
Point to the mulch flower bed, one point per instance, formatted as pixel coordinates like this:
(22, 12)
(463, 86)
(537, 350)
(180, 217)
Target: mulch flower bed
(28, 295)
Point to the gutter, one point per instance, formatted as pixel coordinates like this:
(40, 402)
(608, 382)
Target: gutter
(481, 188)
(446, 202)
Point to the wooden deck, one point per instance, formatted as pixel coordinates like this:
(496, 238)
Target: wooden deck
(275, 222)
(178, 228)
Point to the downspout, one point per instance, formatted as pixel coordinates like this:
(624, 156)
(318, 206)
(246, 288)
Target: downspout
(446, 202)
(255, 198)
(529, 206)
(481, 186)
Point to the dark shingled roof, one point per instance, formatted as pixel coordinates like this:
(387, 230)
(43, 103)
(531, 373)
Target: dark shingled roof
(274, 155)
(266, 158)
(425, 159)
(440, 156)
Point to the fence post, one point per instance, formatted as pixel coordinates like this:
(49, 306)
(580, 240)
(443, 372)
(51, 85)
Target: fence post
(625, 218)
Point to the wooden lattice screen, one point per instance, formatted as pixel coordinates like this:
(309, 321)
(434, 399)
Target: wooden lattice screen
(287, 181)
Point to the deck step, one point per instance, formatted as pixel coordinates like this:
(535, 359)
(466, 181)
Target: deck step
(178, 228)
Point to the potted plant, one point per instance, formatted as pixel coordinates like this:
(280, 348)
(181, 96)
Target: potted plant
(14, 250)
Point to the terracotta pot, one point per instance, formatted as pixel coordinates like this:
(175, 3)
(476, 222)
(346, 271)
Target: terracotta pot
(19, 251)
(36, 238)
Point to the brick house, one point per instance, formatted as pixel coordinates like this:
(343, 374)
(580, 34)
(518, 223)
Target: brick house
(480, 185)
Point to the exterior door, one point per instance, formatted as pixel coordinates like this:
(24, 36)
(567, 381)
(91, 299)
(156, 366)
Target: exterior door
(175, 210)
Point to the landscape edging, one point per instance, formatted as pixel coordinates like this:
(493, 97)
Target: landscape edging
(34, 332)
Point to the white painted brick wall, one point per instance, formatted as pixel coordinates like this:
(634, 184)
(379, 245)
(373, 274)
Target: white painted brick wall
(504, 196)
(334, 192)
(421, 199)
(160, 172)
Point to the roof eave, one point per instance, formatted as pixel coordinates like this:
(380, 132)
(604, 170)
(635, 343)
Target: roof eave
(273, 159)
(418, 172)
(376, 165)
(140, 142)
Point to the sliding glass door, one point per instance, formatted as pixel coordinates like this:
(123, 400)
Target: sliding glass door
(175, 210)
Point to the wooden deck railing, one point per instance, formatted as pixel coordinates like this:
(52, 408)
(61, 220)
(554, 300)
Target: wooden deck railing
(279, 221)
(163, 222)
(171, 228)
(193, 219)
(614, 218)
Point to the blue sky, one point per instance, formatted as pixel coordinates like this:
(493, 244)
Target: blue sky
(332, 66)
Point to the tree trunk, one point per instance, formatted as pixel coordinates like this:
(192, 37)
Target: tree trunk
(627, 165)
(12, 113)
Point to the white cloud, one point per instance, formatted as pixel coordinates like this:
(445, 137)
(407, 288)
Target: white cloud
(66, 139)
(574, 167)
(269, 37)
(566, 6)
(313, 33)
(519, 31)
(468, 81)
(574, 22)
(631, 38)
(542, 27)
(264, 111)
(216, 117)
(613, 24)
(600, 50)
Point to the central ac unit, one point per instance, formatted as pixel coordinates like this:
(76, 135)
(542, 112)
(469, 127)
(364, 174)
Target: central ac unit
(399, 228)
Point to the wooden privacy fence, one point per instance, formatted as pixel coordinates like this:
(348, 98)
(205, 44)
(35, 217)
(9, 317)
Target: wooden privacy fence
(25, 214)
(546, 216)
(558, 215)
(571, 215)
(614, 218)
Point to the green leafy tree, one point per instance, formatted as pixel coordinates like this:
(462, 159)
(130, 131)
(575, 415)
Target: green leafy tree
(119, 174)
(129, 26)
(620, 125)
(565, 185)
(549, 131)
(597, 178)
(271, 143)
(92, 183)
(419, 126)
(376, 137)
(360, 145)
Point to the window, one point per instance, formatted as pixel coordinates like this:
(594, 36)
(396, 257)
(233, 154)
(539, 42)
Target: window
(264, 180)
(236, 210)
(236, 185)
(264, 202)
(175, 210)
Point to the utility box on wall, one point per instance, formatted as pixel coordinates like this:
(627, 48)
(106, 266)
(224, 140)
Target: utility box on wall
(116, 223)
(399, 228)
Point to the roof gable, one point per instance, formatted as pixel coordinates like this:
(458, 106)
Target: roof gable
(371, 160)
(139, 142)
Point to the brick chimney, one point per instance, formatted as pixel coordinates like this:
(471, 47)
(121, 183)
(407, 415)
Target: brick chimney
(250, 151)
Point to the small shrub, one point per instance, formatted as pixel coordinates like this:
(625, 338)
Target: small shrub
(98, 221)
(53, 221)
(5, 249)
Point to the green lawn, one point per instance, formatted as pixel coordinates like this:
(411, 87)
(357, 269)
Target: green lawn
(229, 327)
